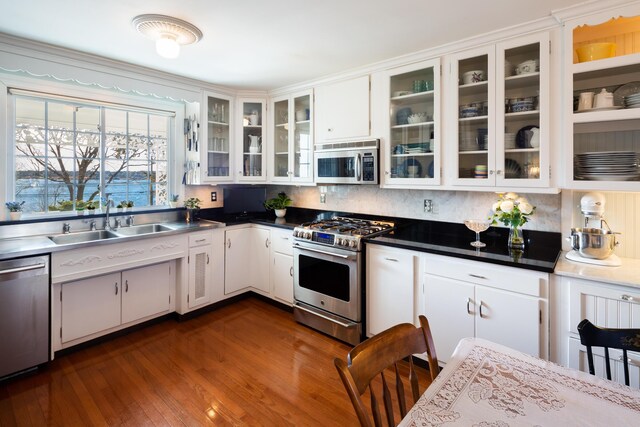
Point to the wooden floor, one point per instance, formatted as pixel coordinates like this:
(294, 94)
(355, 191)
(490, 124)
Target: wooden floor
(248, 363)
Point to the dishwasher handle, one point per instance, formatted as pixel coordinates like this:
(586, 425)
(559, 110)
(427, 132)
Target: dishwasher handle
(22, 269)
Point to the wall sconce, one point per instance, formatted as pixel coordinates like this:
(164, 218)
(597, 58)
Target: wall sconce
(169, 33)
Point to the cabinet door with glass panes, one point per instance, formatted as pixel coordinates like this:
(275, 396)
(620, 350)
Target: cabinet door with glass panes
(412, 154)
(251, 149)
(602, 101)
(291, 147)
(522, 127)
(472, 86)
(217, 152)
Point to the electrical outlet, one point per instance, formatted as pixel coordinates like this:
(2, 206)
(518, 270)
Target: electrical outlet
(323, 198)
(214, 196)
(428, 206)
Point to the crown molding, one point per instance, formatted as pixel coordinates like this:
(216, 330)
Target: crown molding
(37, 59)
(590, 7)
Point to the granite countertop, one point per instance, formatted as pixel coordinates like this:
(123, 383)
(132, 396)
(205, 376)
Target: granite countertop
(453, 239)
(628, 274)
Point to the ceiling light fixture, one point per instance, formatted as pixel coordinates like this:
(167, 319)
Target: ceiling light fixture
(169, 33)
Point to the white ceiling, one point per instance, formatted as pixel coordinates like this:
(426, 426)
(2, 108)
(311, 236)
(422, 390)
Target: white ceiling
(266, 44)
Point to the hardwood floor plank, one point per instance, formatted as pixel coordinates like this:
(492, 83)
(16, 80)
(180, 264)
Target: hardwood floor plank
(245, 364)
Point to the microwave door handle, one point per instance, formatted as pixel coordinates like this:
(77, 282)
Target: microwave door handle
(358, 167)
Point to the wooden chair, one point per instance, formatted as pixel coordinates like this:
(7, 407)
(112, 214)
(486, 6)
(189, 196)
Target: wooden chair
(622, 339)
(371, 357)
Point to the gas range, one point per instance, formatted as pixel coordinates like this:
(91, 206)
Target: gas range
(341, 232)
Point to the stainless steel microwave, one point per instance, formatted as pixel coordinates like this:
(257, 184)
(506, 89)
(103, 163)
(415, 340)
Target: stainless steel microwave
(347, 162)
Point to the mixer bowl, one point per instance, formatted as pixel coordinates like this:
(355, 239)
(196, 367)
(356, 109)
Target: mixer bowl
(595, 243)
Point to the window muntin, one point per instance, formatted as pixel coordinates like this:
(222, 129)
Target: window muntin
(66, 152)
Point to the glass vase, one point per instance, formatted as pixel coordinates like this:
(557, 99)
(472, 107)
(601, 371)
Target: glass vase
(516, 241)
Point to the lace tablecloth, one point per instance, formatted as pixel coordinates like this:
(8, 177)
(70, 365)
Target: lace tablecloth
(489, 385)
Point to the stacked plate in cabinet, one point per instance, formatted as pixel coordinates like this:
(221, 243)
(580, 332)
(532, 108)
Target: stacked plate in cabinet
(632, 101)
(607, 166)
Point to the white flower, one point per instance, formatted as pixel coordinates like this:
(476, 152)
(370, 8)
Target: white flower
(495, 206)
(506, 206)
(521, 200)
(525, 208)
(510, 196)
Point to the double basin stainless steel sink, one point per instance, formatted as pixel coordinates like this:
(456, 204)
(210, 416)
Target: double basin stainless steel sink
(95, 235)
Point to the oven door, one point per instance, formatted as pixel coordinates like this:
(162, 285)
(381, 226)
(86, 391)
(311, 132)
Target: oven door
(328, 279)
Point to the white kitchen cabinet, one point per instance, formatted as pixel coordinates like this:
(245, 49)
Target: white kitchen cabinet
(217, 139)
(90, 306)
(260, 259)
(93, 305)
(610, 131)
(342, 110)
(200, 269)
(291, 143)
(578, 360)
(411, 149)
(502, 304)
(499, 94)
(282, 266)
(390, 276)
(237, 261)
(252, 146)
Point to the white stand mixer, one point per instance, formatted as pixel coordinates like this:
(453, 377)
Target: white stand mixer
(592, 207)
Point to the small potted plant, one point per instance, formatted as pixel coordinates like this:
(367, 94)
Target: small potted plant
(192, 204)
(91, 207)
(129, 205)
(80, 207)
(122, 206)
(279, 204)
(173, 200)
(15, 210)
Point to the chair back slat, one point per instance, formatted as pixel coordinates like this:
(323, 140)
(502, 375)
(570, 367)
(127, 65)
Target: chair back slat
(400, 392)
(383, 351)
(621, 339)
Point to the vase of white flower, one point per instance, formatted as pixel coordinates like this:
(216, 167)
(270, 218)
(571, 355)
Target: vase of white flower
(513, 211)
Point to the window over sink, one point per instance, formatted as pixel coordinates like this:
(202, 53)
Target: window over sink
(69, 153)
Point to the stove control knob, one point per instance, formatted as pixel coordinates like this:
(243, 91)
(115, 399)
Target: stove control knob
(340, 241)
(295, 233)
(353, 244)
(307, 235)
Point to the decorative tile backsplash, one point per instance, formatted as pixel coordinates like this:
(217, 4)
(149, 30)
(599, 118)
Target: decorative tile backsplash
(450, 206)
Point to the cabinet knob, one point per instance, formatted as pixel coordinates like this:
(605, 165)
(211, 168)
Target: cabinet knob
(499, 172)
(291, 272)
(386, 172)
(627, 298)
(126, 286)
(116, 288)
(481, 315)
(469, 305)
(330, 130)
(266, 243)
(229, 243)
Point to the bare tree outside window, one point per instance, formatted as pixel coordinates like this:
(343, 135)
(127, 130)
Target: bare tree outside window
(65, 154)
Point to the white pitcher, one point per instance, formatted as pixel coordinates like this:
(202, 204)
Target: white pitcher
(254, 144)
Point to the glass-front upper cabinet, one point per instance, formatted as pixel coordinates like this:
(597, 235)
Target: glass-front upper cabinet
(291, 155)
(412, 150)
(251, 150)
(522, 127)
(603, 101)
(217, 157)
(502, 114)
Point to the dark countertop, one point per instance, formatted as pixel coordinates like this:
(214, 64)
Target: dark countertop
(444, 238)
(452, 239)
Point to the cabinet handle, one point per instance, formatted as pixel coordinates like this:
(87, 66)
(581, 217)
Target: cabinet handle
(477, 276)
(627, 298)
(266, 243)
(630, 361)
(285, 237)
(499, 172)
(391, 259)
(330, 130)
(481, 303)
(207, 258)
(386, 172)
(200, 240)
(116, 288)
(229, 243)
(126, 286)
(291, 272)
(469, 306)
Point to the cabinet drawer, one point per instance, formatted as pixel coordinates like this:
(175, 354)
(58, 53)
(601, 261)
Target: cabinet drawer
(508, 278)
(200, 239)
(282, 241)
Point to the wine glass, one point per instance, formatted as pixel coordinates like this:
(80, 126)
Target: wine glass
(477, 225)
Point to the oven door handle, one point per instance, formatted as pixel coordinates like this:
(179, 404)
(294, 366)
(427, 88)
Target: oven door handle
(315, 313)
(321, 252)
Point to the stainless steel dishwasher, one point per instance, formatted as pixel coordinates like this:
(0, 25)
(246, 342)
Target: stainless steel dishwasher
(24, 314)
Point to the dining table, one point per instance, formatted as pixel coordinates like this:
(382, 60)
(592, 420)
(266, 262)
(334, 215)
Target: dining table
(485, 384)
